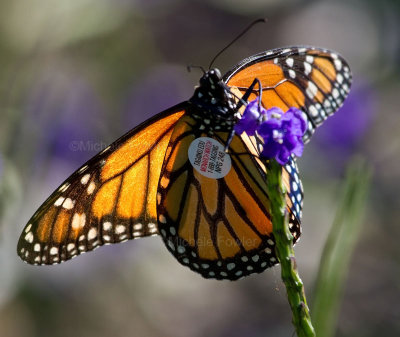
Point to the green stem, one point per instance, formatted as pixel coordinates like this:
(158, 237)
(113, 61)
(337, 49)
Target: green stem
(284, 251)
(340, 244)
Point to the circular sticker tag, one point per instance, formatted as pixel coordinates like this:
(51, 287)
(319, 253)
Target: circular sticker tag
(209, 158)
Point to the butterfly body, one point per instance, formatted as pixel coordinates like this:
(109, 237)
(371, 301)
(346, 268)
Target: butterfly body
(213, 104)
(181, 174)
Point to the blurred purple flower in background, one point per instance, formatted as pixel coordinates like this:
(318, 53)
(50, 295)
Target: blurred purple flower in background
(341, 134)
(65, 116)
(163, 87)
(77, 112)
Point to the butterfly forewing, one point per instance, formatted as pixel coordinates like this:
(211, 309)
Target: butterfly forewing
(110, 199)
(314, 80)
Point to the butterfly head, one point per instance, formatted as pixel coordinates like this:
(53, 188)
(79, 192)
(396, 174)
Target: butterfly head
(213, 76)
(213, 96)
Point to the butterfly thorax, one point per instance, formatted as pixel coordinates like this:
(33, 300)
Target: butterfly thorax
(214, 104)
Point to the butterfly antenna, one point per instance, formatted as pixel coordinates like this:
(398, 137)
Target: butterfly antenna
(189, 68)
(235, 39)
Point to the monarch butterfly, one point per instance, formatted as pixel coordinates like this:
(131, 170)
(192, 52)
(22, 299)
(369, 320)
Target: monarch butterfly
(147, 182)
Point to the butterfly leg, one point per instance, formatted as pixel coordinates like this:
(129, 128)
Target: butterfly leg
(241, 102)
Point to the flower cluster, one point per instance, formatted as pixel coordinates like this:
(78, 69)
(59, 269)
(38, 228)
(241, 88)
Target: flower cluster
(282, 131)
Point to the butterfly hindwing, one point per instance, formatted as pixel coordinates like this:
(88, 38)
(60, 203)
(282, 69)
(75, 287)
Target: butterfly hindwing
(219, 228)
(314, 80)
(112, 198)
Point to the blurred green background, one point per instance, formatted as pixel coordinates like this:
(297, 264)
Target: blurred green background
(87, 71)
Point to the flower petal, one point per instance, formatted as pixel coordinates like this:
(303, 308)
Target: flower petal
(290, 141)
(245, 125)
(274, 112)
(250, 119)
(282, 132)
(266, 127)
(298, 150)
(270, 150)
(298, 114)
(283, 156)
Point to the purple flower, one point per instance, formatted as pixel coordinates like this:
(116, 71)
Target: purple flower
(250, 120)
(282, 132)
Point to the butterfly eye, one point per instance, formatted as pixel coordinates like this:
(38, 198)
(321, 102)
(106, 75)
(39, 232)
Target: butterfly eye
(216, 74)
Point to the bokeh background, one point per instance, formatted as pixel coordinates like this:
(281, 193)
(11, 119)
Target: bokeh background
(87, 71)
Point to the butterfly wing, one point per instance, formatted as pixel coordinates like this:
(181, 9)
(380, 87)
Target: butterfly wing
(112, 198)
(219, 228)
(317, 81)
